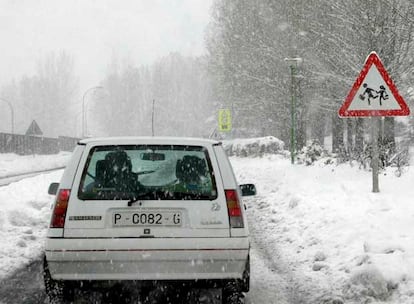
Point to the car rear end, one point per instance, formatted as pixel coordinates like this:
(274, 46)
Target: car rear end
(165, 210)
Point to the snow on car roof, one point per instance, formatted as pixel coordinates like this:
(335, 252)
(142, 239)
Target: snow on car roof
(128, 140)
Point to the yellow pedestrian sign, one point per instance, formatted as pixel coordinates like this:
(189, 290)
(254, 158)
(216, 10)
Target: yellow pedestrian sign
(224, 118)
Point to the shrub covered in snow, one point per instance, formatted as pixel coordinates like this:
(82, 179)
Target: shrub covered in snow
(254, 146)
(311, 153)
(367, 283)
(390, 155)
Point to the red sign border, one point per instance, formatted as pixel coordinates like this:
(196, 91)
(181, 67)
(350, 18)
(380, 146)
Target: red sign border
(373, 59)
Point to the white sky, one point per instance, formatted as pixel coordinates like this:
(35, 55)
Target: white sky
(93, 31)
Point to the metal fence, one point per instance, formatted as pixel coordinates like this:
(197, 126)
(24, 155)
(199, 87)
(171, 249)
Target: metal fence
(25, 145)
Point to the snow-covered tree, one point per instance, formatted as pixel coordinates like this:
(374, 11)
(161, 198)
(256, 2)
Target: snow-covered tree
(48, 96)
(248, 41)
(177, 88)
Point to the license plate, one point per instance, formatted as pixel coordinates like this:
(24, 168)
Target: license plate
(147, 218)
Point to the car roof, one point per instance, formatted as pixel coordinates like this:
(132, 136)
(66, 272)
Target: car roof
(155, 140)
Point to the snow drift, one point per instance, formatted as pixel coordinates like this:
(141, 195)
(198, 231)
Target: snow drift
(254, 146)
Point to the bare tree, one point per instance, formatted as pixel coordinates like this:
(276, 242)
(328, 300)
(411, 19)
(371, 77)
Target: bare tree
(178, 85)
(49, 96)
(249, 39)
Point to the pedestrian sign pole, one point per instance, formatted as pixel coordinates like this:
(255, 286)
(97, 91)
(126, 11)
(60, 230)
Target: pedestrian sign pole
(374, 95)
(375, 121)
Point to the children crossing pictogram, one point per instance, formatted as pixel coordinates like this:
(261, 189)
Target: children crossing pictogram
(368, 92)
(371, 93)
(383, 95)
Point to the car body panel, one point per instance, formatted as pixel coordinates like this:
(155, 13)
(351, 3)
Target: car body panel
(229, 182)
(147, 259)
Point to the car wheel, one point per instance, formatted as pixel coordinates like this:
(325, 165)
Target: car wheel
(245, 282)
(57, 292)
(231, 294)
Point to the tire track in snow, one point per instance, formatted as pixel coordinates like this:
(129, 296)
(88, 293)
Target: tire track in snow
(285, 283)
(25, 286)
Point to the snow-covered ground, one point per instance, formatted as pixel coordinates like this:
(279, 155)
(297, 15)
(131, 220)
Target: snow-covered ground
(11, 163)
(319, 226)
(24, 217)
(25, 207)
(338, 240)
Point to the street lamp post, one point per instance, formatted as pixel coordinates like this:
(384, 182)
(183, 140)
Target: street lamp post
(293, 62)
(11, 112)
(84, 106)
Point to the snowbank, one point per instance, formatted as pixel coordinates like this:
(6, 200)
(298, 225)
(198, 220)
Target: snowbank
(342, 241)
(254, 146)
(11, 163)
(24, 217)
(25, 207)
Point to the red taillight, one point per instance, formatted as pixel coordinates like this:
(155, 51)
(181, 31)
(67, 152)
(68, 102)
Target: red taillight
(59, 211)
(233, 206)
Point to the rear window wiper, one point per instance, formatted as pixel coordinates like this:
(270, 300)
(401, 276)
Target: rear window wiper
(193, 195)
(145, 172)
(158, 194)
(154, 194)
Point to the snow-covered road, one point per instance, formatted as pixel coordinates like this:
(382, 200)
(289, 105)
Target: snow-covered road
(23, 225)
(318, 234)
(24, 215)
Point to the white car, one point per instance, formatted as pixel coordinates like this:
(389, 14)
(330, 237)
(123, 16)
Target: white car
(148, 211)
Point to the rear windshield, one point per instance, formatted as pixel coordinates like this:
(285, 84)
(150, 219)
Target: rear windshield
(148, 172)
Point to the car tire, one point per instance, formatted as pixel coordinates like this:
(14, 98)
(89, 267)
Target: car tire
(245, 282)
(56, 291)
(231, 294)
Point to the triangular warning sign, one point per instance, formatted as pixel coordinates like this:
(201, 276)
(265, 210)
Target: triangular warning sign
(34, 129)
(374, 93)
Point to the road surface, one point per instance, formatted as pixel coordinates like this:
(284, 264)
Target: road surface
(272, 281)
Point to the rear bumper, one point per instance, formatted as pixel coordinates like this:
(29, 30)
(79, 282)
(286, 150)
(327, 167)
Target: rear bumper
(147, 259)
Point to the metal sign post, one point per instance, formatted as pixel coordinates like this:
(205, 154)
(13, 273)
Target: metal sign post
(292, 116)
(293, 63)
(375, 153)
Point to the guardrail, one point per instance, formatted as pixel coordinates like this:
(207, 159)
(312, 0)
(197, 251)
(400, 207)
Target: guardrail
(6, 180)
(26, 145)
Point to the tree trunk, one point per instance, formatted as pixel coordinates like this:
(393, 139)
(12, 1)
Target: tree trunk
(318, 127)
(337, 134)
(359, 136)
(301, 131)
(388, 137)
(284, 133)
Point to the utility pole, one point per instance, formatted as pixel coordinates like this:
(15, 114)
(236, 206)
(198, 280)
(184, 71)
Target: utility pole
(293, 62)
(152, 118)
